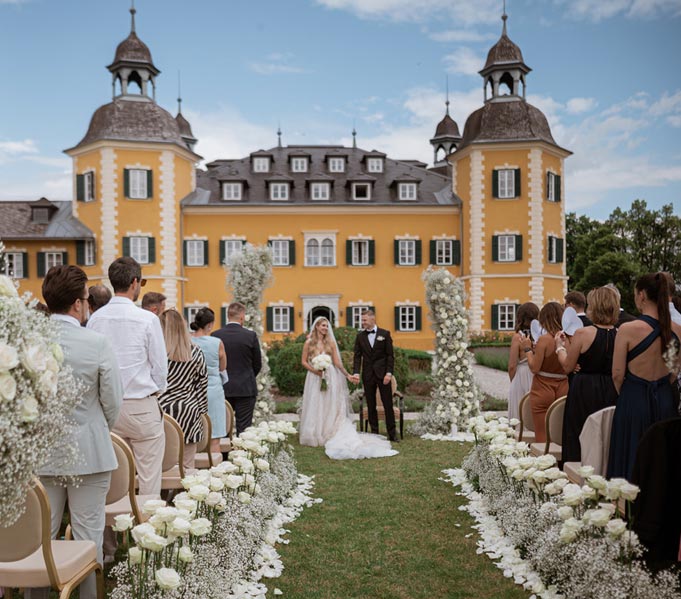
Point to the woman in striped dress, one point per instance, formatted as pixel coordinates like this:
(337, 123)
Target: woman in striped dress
(186, 396)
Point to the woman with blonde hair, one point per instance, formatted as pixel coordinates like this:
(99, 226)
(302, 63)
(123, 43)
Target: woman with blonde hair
(186, 396)
(550, 381)
(591, 348)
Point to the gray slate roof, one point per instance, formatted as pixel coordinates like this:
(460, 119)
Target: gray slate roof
(433, 189)
(16, 223)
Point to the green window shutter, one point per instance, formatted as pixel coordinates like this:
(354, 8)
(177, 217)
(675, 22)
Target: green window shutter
(418, 318)
(269, 318)
(80, 188)
(186, 314)
(397, 318)
(372, 252)
(396, 248)
(549, 249)
(433, 252)
(348, 251)
(24, 259)
(518, 248)
(348, 316)
(126, 182)
(223, 316)
(456, 251)
(65, 258)
(126, 246)
(222, 252)
(41, 264)
(417, 251)
(548, 185)
(495, 248)
(557, 190)
(495, 184)
(560, 250)
(150, 184)
(80, 253)
(517, 183)
(291, 320)
(495, 317)
(291, 252)
(205, 252)
(185, 251)
(152, 250)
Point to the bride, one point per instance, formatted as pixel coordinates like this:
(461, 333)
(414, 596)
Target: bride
(326, 413)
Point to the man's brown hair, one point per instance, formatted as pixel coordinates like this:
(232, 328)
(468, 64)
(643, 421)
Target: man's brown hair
(235, 309)
(577, 299)
(62, 286)
(153, 298)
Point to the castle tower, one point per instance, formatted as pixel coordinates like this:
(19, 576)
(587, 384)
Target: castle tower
(446, 139)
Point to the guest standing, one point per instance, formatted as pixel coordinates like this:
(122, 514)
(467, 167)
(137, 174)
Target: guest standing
(518, 369)
(91, 358)
(137, 342)
(577, 301)
(154, 302)
(640, 374)
(244, 361)
(591, 387)
(216, 361)
(550, 381)
(99, 296)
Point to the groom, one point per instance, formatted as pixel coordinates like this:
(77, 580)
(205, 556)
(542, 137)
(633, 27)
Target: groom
(374, 353)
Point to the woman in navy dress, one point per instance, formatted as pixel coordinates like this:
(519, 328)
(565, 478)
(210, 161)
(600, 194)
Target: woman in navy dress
(640, 374)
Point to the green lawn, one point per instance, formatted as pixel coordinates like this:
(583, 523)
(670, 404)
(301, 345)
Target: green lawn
(387, 529)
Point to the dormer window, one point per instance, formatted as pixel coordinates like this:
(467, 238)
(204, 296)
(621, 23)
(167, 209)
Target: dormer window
(261, 164)
(337, 165)
(40, 215)
(320, 191)
(231, 191)
(279, 191)
(361, 191)
(299, 165)
(375, 165)
(407, 191)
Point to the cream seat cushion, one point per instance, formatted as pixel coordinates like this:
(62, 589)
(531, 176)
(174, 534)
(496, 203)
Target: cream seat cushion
(201, 460)
(122, 506)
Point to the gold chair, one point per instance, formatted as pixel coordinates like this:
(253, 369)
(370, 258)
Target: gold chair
(204, 457)
(172, 469)
(526, 430)
(398, 408)
(554, 431)
(29, 558)
(226, 442)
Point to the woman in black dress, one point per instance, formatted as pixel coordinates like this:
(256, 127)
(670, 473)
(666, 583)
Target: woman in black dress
(591, 348)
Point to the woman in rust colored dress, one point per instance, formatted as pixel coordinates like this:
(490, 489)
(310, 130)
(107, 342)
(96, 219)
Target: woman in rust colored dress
(550, 381)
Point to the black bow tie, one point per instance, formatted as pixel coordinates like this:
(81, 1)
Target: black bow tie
(372, 331)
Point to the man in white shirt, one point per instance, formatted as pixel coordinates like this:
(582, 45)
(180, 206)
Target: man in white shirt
(137, 341)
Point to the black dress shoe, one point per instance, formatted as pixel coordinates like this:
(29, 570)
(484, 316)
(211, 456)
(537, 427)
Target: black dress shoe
(394, 439)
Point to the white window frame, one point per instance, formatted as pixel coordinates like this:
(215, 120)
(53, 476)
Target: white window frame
(374, 165)
(356, 316)
(232, 247)
(320, 257)
(320, 191)
(53, 259)
(280, 252)
(355, 186)
(444, 252)
(139, 249)
(231, 191)
(407, 318)
(195, 256)
(88, 187)
(506, 183)
(261, 164)
(337, 164)
(406, 255)
(191, 313)
(506, 317)
(552, 187)
(360, 252)
(407, 191)
(14, 265)
(507, 248)
(299, 164)
(279, 192)
(89, 252)
(281, 319)
(137, 179)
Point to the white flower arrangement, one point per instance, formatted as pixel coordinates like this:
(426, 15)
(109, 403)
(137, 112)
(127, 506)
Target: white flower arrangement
(456, 397)
(249, 274)
(217, 540)
(37, 394)
(555, 538)
(322, 362)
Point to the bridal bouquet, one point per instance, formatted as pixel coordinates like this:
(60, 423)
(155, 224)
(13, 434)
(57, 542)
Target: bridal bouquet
(322, 362)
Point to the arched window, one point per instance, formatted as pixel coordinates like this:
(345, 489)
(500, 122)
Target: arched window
(327, 252)
(312, 253)
(134, 77)
(507, 80)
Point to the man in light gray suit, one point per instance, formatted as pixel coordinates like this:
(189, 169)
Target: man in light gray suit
(92, 360)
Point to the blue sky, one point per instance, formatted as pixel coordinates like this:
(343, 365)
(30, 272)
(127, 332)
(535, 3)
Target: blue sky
(607, 73)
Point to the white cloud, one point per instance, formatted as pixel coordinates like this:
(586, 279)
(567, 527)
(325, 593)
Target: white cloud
(667, 104)
(675, 120)
(276, 63)
(580, 105)
(464, 61)
(598, 10)
(39, 184)
(460, 36)
(16, 148)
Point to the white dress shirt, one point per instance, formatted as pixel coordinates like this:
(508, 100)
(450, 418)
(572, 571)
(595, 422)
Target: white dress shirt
(674, 313)
(137, 340)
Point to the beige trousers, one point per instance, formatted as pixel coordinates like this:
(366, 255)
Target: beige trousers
(140, 423)
(189, 456)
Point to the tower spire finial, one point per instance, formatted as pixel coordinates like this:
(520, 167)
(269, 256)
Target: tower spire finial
(279, 135)
(179, 93)
(132, 16)
(447, 96)
(504, 18)
(354, 134)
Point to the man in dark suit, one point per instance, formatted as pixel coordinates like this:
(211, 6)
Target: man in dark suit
(374, 356)
(244, 361)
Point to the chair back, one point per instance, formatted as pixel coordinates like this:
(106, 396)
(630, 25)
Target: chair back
(554, 421)
(230, 419)
(393, 389)
(123, 479)
(174, 451)
(595, 439)
(525, 413)
(206, 433)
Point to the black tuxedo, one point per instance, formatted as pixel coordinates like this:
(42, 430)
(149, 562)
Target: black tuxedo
(586, 321)
(374, 363)
(244, 361)
(624, 317)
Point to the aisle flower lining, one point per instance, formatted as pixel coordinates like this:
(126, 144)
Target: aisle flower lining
(557, 539)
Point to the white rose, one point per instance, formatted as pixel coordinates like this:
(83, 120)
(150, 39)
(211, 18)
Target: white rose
(546, 461)
(123, 522)
(141, 530)
(597, 482)
(179, 527)
(200, 527)
(9, 357)
(34, 359)
(57, 352)
(629, 491)
(615, 528)
(244, 497)
(8, 387)
(48, 381)
(565, 512)
(29, 410)
(153, 542)
(585, 471)
(213, 499)
(185, 504)
(599, 517)
(150, 506)
(7, 287)
(262, 465)
(198, 492)
(167, 578)
(52, 364)
(185, 554)
(135, 555)
(589, 492)
(234, 481)
(216, 484)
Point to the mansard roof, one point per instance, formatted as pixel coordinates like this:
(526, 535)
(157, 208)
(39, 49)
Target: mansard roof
(16, 221)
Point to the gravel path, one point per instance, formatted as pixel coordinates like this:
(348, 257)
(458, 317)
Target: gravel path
(491, 381)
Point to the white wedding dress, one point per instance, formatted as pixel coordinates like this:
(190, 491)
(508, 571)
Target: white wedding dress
(326, 420)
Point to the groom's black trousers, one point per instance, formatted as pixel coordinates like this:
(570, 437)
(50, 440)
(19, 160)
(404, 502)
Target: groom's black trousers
(371, 383)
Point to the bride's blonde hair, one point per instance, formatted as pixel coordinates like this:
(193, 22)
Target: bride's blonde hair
(315, 337)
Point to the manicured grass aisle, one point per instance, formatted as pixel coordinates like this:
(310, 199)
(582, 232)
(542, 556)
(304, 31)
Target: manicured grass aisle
(387, 529)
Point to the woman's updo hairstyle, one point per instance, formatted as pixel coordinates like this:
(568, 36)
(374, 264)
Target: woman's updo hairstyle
(202, 319)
